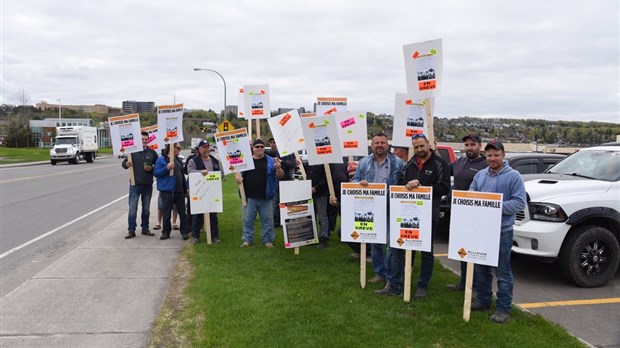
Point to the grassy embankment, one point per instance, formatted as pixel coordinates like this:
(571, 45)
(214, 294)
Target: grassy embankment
(225, 296)
(10, 155)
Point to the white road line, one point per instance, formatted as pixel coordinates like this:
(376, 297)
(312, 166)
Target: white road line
(7, 253)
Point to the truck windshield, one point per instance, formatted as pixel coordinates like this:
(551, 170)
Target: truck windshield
(595, 164)
(65, 141)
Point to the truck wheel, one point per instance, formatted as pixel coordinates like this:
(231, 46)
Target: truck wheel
(89, 157)
(53, 162)
(589, 257)
(76, 160)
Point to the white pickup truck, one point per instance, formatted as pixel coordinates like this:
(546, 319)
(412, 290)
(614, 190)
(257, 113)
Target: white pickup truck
(74, 142)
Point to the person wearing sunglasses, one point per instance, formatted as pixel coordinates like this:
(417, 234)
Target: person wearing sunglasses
(259, 185)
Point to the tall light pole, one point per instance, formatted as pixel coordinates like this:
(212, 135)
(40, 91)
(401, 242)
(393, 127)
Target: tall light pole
(59, 108)
(201, 69)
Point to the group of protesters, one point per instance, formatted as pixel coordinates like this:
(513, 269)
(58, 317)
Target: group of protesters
(474, 171)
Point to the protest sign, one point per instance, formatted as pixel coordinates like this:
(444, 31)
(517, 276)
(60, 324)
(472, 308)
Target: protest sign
(410, 117)
(475, 225)
(286, 131)
(411, 216)
(330, 105)
(240, 104)
(125, 134)
(364, 211)
(205, 192)
(154, 142)
(256, 102)
(170, 123)
(297, 213)
(424, 68)
(352, 133)
(322, 141)
(234, 150)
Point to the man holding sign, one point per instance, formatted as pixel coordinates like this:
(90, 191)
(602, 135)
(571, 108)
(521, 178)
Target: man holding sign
(499, 178)
(423, 169)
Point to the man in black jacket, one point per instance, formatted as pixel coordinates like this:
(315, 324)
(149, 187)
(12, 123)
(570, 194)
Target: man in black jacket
(204, 163)
(423, 169)
(142, 163)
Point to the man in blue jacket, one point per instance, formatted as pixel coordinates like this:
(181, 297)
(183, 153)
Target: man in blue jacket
(379, 167)
(499, 178)
(260, 188)
(172, 190)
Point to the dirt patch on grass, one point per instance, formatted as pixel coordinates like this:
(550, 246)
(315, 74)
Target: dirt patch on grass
(166, 330)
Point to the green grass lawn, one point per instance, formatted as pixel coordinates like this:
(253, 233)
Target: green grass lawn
(9, 155)
(263, 297)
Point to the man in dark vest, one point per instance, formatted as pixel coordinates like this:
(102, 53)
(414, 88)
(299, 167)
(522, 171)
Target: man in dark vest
(204, 163)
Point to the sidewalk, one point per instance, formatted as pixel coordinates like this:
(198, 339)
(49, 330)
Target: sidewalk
(105, 293)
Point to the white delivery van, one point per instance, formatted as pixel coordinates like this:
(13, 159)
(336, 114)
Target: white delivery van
(74, 143)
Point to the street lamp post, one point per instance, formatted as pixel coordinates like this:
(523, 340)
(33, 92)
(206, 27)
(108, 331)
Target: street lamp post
(220, 75)
(59, 108)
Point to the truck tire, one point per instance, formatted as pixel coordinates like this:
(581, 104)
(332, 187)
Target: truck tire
(76, 160)
(53, 162)
(590, 256)
(89, 157)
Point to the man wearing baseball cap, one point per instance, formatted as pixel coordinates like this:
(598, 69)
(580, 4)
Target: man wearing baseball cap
(499, 178)
(463, 170)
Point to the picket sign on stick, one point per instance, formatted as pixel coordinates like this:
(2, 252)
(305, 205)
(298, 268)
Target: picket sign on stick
(469, 279)
(132, 178)
(300, 165)
(207, 219)
(244, 201)
(363, 265)
(407, 292)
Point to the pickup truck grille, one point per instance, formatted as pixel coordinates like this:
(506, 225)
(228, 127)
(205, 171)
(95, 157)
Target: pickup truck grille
(63, 150)
(521, 215)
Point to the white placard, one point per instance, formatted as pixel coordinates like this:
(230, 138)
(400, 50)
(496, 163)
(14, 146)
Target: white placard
(205, 192)
(364, 211)
(297, 213)
(322, 141)
(125, 134)
(286, 131)
(352, 132)
(256, 101)
(170, 123)
(424, 68)
(409, 119)
(240, 104)
(234, 150)
(475, 225)
(330, 105)
(154, 142)
(411, 218)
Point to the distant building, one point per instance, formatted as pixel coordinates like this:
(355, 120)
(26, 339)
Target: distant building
(99, 108)
(132, 107)
(232, 109)
(43, 131)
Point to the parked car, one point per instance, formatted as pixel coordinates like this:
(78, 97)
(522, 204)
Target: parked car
(523, 162)
(573, 216)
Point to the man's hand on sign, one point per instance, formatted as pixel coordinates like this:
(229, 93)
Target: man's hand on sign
(364, 183)
(412, 184)
(204, 172)
(170, 166)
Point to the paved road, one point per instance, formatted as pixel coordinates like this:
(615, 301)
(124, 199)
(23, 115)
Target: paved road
(541, 289)
(44, 198)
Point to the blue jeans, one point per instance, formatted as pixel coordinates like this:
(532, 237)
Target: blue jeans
(379, 262)
(484, 276)
(264, 207)
(134, 195)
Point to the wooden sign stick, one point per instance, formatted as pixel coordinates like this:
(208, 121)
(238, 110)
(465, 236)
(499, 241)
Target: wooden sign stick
(132, 178)
(330, 183)
(469, 279)
(429, 121)
(244, 201)
(250, 128)
(258, 128)
(207, 220)
(171, 157)
(300, 165)
(407, 283)
(363, 265)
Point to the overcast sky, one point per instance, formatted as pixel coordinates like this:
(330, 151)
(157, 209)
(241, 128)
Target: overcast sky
(527, 59)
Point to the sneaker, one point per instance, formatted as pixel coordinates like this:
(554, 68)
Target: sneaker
(376, 279)
(164, 237)
(387, 291)
(500, 317)
(246, 245)
(216, 241)
(479, 307)
(420, 292)
(456, 287)
(185, 237)
(269, 245)
(195, 241)
(130, 235)
(147, 233)
(321, 245)
(354, 256)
